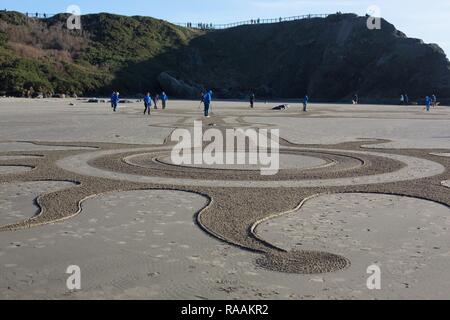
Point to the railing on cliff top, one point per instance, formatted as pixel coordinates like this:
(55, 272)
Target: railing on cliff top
(207, 26)
(39, 15)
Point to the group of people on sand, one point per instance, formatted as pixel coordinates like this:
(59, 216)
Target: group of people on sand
(206, 100)
(431, 102)
(148, 100)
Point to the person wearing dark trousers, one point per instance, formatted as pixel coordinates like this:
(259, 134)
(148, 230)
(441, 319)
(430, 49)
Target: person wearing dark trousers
(207, 102)
(115, 100)
(147, 103)
(155, 101)
(164, 100)
(252, 100)
(305, 103)
(428, 103)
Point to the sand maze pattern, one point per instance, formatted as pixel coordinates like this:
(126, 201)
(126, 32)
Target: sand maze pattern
(239, 198)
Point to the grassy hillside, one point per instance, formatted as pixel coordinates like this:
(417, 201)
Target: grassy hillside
(330, 59)
(45, 56)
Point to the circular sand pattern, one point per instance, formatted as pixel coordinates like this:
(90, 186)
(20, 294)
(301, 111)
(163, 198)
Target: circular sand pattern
(416, 168)
(303, 262)
(294, 165)
(14, 169)
(287, 161)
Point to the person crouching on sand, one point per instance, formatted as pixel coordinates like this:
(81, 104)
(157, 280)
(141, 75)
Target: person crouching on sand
(147, 103)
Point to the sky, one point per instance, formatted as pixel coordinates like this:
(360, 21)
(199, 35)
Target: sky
(427, 20)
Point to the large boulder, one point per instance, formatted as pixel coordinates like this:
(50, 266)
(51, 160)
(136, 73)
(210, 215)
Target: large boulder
(177, 87)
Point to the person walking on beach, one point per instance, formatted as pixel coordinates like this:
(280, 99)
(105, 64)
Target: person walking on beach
(305, 103)
(402, 100)
(355, 99)
(434, 100)
(147, 103)
(428, 103)
(252, 100)
(164, 100)
(115, 98)
(406, 100)
(155, 100)
(207, 98)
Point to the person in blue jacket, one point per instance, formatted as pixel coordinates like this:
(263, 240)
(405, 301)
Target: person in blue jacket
(207, 98)
(428, 102)
(147, 103)
(113, 100)
(164, 99)
(305, 103)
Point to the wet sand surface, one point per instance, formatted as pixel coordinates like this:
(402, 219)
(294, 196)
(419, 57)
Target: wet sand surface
(148, 229)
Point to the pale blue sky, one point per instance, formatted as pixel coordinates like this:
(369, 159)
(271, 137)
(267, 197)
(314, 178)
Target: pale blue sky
(428, 20)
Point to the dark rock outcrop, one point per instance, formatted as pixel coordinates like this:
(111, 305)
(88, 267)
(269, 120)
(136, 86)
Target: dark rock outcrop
(179, 88)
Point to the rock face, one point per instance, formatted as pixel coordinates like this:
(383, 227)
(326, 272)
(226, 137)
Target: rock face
(330, 59)
(179, 88)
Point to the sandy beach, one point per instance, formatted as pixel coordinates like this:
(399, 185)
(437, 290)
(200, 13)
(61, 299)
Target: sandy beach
(358, 185)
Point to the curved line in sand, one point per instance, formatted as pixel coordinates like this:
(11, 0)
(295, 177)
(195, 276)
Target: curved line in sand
(254, 227)
(28, 223)
(157, 159)
(32, 168)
